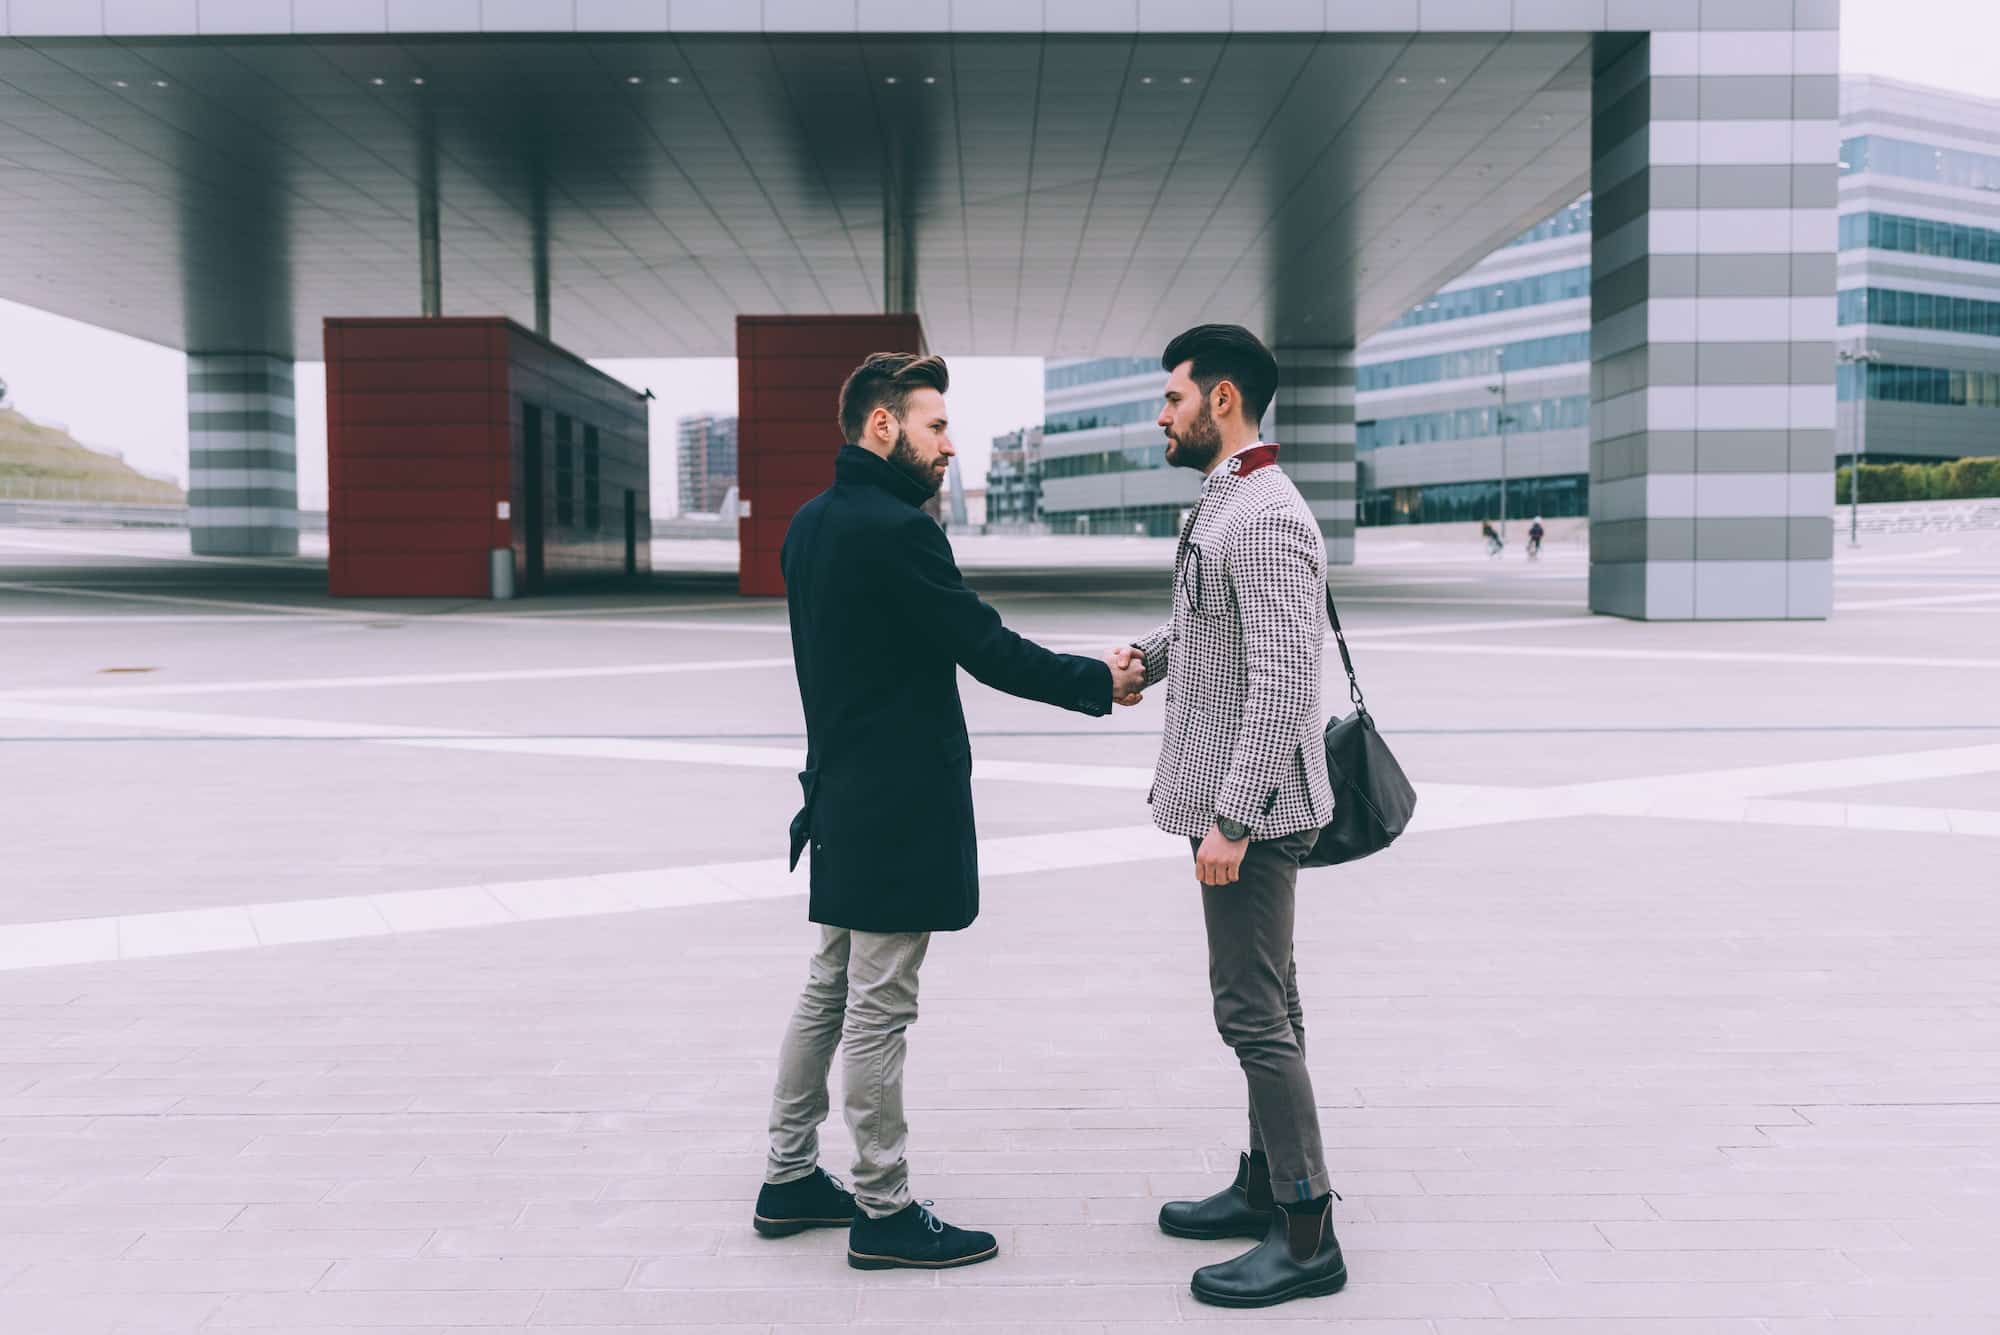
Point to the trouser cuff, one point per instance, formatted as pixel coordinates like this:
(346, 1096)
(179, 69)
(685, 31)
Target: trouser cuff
(1297, 1190)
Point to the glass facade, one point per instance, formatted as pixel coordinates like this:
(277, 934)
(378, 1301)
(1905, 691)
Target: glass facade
(1920, 162)
(1473, 423)
(1572, 221)
(1920, 310)
(1107, 461)
(1565, 495)
(1103, 414)
(1887, 383)
(1151, 521)
(1515, 293)
(1091, 372)
(1919, 236)
(1526, 355)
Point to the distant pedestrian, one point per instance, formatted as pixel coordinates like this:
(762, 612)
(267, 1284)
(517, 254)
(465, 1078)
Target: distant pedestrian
(1493, 543)
(1535, 533)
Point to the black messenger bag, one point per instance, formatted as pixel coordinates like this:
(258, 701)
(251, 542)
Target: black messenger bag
(1372, 801)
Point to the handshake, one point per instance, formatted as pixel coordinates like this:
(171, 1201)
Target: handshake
(1128, 674)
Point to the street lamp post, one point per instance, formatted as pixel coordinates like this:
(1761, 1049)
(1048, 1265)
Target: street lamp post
(1857, 357)
(1506, 420)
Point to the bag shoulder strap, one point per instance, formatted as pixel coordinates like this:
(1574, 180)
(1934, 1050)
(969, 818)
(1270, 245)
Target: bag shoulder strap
(1346, 659)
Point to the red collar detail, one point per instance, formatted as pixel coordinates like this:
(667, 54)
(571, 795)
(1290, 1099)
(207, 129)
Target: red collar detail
(1245, 462)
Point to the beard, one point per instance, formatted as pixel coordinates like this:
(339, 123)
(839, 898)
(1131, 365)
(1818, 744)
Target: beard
(1198, 448)
(926, 475)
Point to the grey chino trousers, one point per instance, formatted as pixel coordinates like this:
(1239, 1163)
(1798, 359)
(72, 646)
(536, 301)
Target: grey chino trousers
(860, 993)
(1254, 979)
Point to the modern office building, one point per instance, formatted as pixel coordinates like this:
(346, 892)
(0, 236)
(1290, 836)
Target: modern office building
(1504, 351)
(632, 178)
(705, 456)
(1917, 336)
(1014, 480)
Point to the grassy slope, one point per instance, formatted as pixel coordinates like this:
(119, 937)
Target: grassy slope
(29, 450)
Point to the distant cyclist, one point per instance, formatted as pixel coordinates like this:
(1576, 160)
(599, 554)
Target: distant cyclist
(1493, 543)
(1535, 539)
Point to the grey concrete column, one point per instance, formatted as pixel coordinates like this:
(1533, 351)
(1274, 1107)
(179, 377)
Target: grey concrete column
(243, 491)
(1714, 159)
(1312, 420)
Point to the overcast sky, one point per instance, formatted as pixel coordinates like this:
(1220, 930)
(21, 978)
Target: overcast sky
(122, 394)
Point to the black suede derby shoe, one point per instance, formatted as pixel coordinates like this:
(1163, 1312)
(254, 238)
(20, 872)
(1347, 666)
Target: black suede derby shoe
(1298, 1258)
(915, 1239)
(1240, 1210)
(814, 1201)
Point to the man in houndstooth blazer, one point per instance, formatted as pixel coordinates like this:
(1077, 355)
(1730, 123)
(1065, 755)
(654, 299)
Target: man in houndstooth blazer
(1242, 776)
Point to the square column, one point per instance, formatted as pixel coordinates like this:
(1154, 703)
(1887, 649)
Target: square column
(243, 487)
(789, 370)
(1313, 421)
(1713, 258)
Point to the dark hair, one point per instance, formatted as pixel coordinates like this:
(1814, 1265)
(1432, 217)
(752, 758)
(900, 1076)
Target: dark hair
(886, 380)
(1227, 352)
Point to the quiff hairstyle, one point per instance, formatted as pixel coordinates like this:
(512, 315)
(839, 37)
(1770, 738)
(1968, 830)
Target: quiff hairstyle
(886, 380)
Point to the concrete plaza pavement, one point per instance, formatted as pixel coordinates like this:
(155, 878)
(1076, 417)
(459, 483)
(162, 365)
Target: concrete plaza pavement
(419, 967)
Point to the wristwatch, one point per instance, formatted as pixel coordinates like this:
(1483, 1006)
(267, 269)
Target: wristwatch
(1232, 829)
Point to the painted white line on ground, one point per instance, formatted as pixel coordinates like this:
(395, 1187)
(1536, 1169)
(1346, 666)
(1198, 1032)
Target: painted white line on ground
(281, 684)
(290, 922)
(287, 609)
(1689, 655)
(1926, 600)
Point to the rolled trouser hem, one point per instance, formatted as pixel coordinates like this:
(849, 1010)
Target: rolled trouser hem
(876, 1207)
(777, 1175)
(1297, 1190)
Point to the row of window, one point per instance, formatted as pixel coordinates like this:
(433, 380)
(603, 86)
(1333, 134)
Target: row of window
(1526, 355)
(1107, 461)
(1149, 521)
(1920, 310)
(1920, 162)
(1919, 236)
(1101, 368)
(1572, 221)
(1464, 502)
(1472, 423)
(1103, 414)
(1885, 383)
(566, 474)
(1535, 290)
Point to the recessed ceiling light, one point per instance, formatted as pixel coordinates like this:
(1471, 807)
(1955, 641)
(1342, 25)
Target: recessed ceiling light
(120, 83)
(159, 83)
(1402, 78)
(673, 78)
(930, 78)
(1187, 78)
(890, 79)
(633, 78)
(418, 79)
(378, 82)
(1441, 80)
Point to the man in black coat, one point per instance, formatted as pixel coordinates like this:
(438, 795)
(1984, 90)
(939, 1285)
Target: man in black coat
(881, 623)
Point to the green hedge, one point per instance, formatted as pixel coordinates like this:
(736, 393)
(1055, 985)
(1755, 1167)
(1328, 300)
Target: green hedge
(1962, 479)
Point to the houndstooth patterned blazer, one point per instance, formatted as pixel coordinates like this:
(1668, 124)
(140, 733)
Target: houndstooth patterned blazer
(1243, 734)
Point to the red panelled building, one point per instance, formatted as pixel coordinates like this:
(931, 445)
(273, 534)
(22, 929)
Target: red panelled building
(449, 440)
(789, 369)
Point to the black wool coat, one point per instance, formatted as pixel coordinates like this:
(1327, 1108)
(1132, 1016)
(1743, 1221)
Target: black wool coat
(881, 623)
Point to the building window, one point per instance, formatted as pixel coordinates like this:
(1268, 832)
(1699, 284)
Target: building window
(1562, 414)
(1489, 298)
(1097, 369)
(565, 471)
(592, 515)
(1562, 496)
(1887, 383)
(1920, 310)
(1919, 162)
(1526, 355)
(1103, 415)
